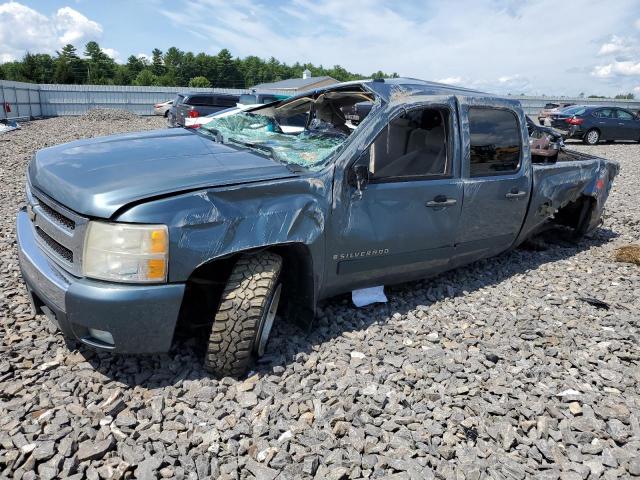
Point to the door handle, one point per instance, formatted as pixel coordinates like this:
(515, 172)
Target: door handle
(620, 123)
(441, 201)
(515, 194)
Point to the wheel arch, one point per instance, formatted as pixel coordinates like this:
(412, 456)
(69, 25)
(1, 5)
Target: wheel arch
(206, 282)
(578, 214)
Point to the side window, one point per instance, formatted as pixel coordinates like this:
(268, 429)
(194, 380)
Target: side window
(622, 115)
(495, 142)
(415, 144)
(226, 101)
(603, 113)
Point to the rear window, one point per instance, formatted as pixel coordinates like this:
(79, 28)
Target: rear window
(495, 142)
(178, 100)
(226, 100)
(247, 99)
(549, 106)
(573, 110)
(204, 100)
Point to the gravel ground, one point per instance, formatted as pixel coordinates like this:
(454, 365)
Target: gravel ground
(497, 370)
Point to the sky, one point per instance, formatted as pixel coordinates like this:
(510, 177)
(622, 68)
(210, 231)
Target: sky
(535, 47)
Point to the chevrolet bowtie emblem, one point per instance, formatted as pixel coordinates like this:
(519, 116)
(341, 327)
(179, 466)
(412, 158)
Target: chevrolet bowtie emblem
(31, 213)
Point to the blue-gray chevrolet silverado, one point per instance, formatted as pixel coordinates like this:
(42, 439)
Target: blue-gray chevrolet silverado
(234, 221)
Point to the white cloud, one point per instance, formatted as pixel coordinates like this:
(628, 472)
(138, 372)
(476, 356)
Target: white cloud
(615, 45)
(627, 69)
(113, 53)
(144, 57)
(75, 27)
(476, 42)
(24, 29)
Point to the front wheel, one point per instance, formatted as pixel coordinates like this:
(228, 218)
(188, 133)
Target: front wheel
(247, 310)
(591, 137)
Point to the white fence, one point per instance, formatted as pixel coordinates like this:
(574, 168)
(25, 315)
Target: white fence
(20, 100)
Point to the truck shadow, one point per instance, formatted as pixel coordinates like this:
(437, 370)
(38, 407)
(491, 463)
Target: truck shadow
(336, 317)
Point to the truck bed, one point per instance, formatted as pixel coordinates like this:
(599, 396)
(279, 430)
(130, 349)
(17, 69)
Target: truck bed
(561, 190)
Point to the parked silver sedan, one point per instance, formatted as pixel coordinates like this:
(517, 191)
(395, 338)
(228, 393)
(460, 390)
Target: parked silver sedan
(162, 109)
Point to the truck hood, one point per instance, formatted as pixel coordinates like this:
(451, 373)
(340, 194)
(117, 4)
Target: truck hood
(96, 177)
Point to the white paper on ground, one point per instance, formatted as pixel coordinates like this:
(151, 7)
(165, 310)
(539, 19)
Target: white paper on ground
(367, 296)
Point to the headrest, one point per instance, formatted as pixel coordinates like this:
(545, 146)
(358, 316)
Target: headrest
(431, 119)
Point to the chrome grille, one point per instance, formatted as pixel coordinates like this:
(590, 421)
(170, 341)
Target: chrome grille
(59, 231)
(63, 252)
(58, 217)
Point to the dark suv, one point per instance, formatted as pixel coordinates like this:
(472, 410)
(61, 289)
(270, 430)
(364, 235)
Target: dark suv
(193, 105)
(595, 123)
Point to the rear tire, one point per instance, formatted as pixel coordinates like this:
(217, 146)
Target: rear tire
(242, 324)
(592, 137)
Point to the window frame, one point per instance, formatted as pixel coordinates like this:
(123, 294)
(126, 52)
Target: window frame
(414, 178)
(521, 143)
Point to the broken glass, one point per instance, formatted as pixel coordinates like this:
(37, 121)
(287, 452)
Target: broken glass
(310, 148)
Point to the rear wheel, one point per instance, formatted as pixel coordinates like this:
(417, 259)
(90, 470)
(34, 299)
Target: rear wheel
(591, 137)
(244, 319)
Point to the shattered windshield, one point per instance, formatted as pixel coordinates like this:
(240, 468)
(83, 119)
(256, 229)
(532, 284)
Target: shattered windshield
(308, 148)
(305, 132)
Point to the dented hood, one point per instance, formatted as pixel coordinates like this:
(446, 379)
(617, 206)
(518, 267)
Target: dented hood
(96, 177)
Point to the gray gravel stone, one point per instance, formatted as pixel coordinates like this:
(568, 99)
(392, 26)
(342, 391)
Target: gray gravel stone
(495, 370)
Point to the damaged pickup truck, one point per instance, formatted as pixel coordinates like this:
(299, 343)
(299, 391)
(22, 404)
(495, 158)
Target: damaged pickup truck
(238, 220)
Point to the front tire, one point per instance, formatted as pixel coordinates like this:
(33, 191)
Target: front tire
(243, 322)
(592, 137)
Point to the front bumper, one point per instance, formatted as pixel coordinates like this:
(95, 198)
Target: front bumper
(140, 318)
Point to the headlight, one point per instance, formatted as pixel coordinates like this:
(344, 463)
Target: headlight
(126, 252)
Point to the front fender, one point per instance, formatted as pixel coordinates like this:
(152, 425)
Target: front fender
(217, 223)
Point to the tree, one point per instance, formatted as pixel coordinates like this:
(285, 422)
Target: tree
(199, 82)
(101, 66)
(69, 68)
(146, 78)
(37, 67)
(625, 96)
(157, 62)
(173, 68)
(228, 74)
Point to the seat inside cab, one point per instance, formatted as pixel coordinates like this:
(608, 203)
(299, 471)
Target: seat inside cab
(413, 144)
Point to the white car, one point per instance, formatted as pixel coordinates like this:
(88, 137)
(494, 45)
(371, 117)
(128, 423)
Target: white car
(162, 109)
(199, 121)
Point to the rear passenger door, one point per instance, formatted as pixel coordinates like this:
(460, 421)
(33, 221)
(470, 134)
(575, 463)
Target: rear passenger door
(628, 127)
(606, 122)
(496, 180)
